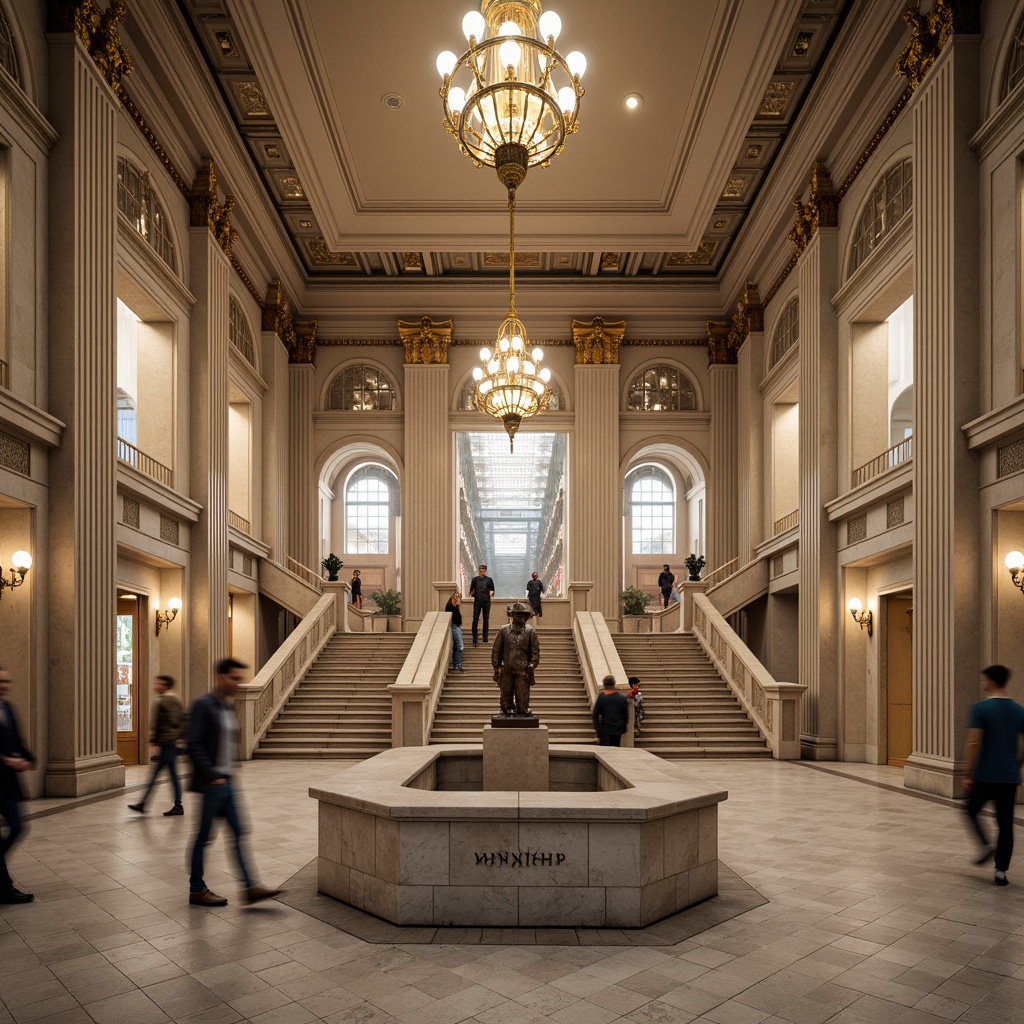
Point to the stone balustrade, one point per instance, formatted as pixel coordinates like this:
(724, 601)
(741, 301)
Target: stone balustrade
(414, 695)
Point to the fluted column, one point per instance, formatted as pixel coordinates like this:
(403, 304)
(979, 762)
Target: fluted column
(276, 481)
(427, 513)
(723, 483)
(818, 658)
(946, 395)
(207, 610)
(81, 555)
(595, 495)
(750, 440)
(302, 487)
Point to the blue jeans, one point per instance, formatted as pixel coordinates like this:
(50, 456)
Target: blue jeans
(457, 646)
(218, 802)
(168, 758)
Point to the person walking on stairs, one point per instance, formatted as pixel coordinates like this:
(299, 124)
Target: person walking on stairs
(666, 580)
(481, 589)
(454, 606)
(611, 714)
(534, 588)
(168, 726)
(994, 759)
(633, 694)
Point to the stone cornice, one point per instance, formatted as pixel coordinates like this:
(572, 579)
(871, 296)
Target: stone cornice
(166, 499)
(28, 421)
(880, 488)
(1002, 126)
(26, 113)
(996, 425)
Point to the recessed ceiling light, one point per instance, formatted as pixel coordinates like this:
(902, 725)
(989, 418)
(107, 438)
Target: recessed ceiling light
(127, 597)
(392, 101)
(633, 101)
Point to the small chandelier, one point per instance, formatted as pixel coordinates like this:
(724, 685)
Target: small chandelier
(511, 115)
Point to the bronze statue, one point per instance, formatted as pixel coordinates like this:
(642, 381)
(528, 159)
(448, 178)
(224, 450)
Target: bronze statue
(514, 655)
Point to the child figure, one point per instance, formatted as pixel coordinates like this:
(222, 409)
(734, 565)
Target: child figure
(634, 694)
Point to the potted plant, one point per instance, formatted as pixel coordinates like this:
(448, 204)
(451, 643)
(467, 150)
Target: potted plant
(332, 563)
(389, 604)
(634, 604)
(694, 564)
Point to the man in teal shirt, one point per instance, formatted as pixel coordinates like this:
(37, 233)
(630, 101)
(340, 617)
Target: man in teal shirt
(994, 759)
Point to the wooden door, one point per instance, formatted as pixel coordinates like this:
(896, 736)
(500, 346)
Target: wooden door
(126, 685)
(899, 645)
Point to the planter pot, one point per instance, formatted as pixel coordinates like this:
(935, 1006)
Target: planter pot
(394, 623)
(332, 579)
(693, 579)
(378, 624)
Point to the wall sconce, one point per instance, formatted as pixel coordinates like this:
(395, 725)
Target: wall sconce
(167, 617)
(21, 562)
(1015, 563)
(861, 615)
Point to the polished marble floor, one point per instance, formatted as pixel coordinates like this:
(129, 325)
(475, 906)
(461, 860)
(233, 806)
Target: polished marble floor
(874, 914)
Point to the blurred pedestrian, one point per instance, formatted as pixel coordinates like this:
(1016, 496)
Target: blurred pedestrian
(164, 737)
(15, 758)
(611, 714)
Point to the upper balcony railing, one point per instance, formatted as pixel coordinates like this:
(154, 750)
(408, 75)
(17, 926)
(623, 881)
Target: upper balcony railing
(235, 520)
(787, 522)
(127, 452)
(895, 456)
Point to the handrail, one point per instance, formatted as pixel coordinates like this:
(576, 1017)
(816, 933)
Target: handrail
(235, 520)
(259, 701)
(787, 522)
(773, 706)
(311, 576)
(417, 690)
(727, 570)
(889, 459)
(135, 457)
(599, 657)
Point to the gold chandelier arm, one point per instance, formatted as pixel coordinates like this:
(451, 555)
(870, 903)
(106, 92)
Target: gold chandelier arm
(512, 252)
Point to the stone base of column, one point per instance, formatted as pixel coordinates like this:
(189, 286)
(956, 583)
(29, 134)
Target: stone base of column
(818, 748)
(81, 778)
(940, 776)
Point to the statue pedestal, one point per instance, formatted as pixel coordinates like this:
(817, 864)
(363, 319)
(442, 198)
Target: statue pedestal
(516, 759)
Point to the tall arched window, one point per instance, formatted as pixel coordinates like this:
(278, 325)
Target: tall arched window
(1014, 73)
(786, 333)
(8, 55)
(661, 389)
(239, 332)
(137, 200)
(466, 397)
(371, 499)
(651, 506)
(890, 201)
(361, 389)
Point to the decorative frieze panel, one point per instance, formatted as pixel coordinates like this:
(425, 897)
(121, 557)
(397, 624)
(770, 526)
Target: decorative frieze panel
(1010, 458)
(894, 513)
(778, 565)
(169, 529)
(15, 454)
(130, 512)
(857, 529)
(246, 565)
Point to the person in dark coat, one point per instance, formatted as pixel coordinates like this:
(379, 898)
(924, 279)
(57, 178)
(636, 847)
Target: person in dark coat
(665, 582)
(168, 726)
(611, 714)
(357, 588)
(481, 589)
(534, 588)
(213, 747)
(15, 758)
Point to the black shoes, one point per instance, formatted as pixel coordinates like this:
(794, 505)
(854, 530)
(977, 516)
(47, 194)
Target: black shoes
(140, 808)
(1001, 878)
(174, 811)
(16, 896)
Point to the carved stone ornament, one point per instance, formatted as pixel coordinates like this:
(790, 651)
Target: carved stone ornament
(278, 318)
(721, 351)
(205, 207)
(425, 341)
(304, 347)
(98, 31)
(753, 308)
(822, 209)
(597, 342)
(930, 32)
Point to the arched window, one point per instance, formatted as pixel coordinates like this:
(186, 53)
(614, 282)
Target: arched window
(651, 506)
(361, 389)
(890, 200)
(239, 333)
(8, 55)
(137, 200)
(786, 333)
(1014, 73)
(661, 389)
(371, 499)
(127, 423)
(466, 397)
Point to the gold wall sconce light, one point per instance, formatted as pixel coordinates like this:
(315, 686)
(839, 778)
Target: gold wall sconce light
(21, 562)
(1015, 563)
(167, 617)
(861, 615)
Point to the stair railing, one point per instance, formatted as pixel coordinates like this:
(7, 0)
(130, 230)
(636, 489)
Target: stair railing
(307, 575)
(774, 706)
(414, 695)
(599, 657)
(259, 701)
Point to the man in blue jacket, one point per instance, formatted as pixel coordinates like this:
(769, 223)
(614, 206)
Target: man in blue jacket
(213, 747)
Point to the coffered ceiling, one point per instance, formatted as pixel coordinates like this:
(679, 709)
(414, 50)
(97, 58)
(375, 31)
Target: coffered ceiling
(337, 101)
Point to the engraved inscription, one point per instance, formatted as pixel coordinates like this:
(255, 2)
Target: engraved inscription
(519, 859)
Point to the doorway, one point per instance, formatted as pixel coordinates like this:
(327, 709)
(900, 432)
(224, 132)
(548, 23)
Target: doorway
(126, 679)
(899, 646)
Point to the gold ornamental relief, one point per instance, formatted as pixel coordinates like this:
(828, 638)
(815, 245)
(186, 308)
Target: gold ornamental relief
(721, 350)
(820, 211)
(929, 33)
(598, 341)
(426, 341)
(205, 208)
(98, 31)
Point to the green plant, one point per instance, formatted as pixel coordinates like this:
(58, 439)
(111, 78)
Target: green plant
(634, 600)
(694, 564)
(389, 602)
(332, 563)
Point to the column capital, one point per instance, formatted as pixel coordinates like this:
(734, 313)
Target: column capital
(720, 349)
(597, 341)
(821, 211)
(753, 308)
(930, 32)
(98, 31)
(426, 341)
(206, 209)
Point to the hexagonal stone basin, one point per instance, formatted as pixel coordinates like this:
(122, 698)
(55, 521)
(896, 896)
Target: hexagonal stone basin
(620, 840)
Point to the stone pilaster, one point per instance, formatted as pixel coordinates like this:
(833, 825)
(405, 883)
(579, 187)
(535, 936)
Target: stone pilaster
(81, 550)
(595, 538)
(207, 608)
(276, 483)
(818, 452)
(946, 395)
(723, 484)
(427, 514)
(302, 486)
(750, 440)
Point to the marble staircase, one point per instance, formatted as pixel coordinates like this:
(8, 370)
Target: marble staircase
(690, 710)
(342, 709)
(559, 697)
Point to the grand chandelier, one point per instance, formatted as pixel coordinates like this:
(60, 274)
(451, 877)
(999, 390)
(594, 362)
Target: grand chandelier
(511, 101)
